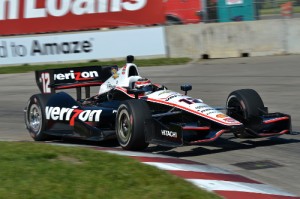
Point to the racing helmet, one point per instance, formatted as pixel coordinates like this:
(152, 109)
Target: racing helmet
(144, 84)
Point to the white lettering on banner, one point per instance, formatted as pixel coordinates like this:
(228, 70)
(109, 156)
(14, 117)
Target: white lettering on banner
(11, 12)
(76, 7)
(134, 6)
(31, 11)
(81, 7)
(58, 12)
(103, 6)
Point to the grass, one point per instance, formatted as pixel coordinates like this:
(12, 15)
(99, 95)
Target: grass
(34, 170)
(142, 62)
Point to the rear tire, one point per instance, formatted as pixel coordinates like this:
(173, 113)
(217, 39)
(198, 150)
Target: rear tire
(35, 119)
(130, 124)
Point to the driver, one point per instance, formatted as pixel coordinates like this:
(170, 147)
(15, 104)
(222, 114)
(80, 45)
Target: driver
(144, 84)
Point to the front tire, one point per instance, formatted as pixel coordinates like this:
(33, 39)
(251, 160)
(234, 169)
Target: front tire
(130, 124)
(246, 106)
(35, 120)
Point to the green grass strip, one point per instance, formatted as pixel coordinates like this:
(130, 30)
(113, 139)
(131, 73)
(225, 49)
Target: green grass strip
(34, 170)
(140, 63)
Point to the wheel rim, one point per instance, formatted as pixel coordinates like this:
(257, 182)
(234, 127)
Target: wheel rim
(35, 118)
(124, 126)
(238, 111)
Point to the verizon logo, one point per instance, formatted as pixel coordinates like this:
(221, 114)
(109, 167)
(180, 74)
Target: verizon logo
(11, 9)
(70, 114)
(78, 76)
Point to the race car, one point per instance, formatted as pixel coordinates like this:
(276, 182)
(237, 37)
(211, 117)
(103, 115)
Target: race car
(137, 112)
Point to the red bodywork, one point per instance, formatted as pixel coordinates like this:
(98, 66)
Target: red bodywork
(186, 11)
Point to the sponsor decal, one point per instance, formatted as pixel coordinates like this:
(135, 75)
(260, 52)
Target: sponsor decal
(78, 76)
(221, 115)
(169, 133)
(205, 110)
(190, 100)
(230, 120)
(211, 112)
(114, 73)
(172, 96)
(70, 114)
(201, 107)
(164, 92)
(123, 70)
(109, 85)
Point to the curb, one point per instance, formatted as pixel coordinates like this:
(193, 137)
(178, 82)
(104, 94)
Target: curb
(224, 183)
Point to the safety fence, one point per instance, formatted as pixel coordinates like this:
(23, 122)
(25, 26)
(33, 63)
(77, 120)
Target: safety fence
(248, 10)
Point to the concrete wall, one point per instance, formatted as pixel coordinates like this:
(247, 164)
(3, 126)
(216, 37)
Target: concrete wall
(293, 36)
(235, 39)
(214, 40)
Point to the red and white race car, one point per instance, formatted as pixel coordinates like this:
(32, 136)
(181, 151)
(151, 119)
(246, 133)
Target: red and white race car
(137, 112)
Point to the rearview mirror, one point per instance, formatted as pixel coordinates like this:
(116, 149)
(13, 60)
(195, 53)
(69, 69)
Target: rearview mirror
(186, 88)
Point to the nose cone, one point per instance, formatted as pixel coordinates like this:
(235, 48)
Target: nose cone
(237, 129)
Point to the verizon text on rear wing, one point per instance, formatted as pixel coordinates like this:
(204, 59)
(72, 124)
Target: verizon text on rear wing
(50, 80)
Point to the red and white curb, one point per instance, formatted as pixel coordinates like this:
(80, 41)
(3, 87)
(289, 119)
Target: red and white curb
(225, 183)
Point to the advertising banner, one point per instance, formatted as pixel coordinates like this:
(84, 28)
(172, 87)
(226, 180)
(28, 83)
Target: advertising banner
(40, 16)
(82, 46)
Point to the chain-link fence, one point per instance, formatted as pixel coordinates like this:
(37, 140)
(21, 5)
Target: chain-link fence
(246, 10)
(269, 9)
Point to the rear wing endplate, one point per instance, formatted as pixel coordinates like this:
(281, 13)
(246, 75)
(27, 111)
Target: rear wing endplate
(50, 80)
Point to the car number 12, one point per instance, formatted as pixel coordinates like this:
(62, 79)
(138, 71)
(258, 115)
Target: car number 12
(45, 77)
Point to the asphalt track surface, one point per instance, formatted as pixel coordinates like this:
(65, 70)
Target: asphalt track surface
(274, 161)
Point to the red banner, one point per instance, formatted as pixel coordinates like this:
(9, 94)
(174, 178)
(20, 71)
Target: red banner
(40, 16)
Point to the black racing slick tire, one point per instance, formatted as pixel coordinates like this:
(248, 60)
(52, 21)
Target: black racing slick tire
(130, 124)
(35, 119)
(244, 104)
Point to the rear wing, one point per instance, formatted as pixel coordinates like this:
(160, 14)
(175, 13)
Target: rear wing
(50, 80)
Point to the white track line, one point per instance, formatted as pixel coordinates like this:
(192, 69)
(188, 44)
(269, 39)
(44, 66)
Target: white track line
(188, 167)
(217, 185)
(140, 154)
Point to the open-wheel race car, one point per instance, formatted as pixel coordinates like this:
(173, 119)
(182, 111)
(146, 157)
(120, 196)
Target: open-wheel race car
(138, 113)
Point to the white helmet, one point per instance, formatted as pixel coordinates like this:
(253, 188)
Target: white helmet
(144, 84)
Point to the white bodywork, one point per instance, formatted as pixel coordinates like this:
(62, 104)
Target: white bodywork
(195, 106)
(122, 79)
